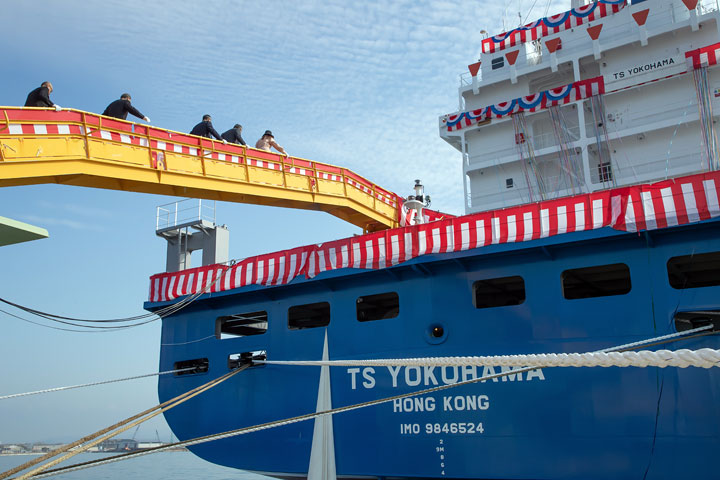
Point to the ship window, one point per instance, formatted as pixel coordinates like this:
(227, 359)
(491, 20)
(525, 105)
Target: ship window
(499, 292)
(693, 271)
(605, 172)
(508, 183)
(191, 367)
(241, 325)
(378, 307)
(309, 316)
(496, 63)
(602, 281)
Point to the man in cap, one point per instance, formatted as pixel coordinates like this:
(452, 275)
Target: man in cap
(121, 108)
(267, 141)
(40, 97)
(206, 129)
(234, 135)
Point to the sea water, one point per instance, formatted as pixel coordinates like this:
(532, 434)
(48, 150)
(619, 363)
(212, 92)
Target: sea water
(180, 465)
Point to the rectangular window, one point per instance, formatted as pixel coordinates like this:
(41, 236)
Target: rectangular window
(241, 325)
(602, 281)
(693, 271)
(309, 316)
(499, 292)
(378, 307)
(605, 172)
(496, 63)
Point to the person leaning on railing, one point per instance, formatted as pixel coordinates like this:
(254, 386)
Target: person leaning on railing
(267, 141)
(206, 129)
(40, 97)
(121, 108)
(234, 135)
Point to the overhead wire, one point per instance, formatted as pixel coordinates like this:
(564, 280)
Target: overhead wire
(138, 319)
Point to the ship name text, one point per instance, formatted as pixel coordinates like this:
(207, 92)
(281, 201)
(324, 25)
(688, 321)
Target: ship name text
(643, 68)
(366, 377)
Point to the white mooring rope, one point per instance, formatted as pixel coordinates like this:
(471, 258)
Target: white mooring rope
(309, 416)
(70, 387)
(704, 358)
(609, 357)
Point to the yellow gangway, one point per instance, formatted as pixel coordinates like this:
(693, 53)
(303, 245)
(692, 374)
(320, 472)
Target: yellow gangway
(71, 147)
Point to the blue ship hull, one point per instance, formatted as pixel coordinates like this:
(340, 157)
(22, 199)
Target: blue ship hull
(554, 423)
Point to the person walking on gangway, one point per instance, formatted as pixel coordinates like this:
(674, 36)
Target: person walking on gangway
(206, 129)
(121, 108)
(40, 97)
(267, 141)
(234, 135)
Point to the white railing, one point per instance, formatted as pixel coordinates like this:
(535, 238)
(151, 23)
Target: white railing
(185, 212)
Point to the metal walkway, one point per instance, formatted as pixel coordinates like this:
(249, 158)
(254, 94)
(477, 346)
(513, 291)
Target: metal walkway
(71, 147)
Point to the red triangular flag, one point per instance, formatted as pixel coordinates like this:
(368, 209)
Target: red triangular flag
(641, 17)
(474, 68)
(512, 56)
(690, 4)
(553, 45)
(594, 31)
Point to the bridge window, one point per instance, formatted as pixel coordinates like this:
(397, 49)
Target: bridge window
(241, 325)
(602, 281)
(693, 271)
(378, 307)
(499, 292)
(309, 316)
(497, 62)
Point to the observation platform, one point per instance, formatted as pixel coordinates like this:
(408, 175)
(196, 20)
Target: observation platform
(71, 147)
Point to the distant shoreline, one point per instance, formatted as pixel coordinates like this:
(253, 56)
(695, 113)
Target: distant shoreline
(177, 449)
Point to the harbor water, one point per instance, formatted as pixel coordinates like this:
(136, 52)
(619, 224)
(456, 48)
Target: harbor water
(181, 465)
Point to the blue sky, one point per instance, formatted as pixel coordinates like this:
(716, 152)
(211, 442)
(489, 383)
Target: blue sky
(356, 84)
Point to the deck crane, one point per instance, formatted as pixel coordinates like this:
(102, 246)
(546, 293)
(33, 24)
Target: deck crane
(71, 147)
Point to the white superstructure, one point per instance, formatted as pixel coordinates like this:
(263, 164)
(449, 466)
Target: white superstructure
(632, 108)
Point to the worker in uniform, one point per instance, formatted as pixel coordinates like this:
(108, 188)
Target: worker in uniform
(267, 141)
(205, 129)
(40, 97)
(234, 135)
(121, 108)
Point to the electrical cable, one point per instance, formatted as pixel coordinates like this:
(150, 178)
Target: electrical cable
(146, 318)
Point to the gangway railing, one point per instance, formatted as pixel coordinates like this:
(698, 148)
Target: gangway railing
(188, 211)
(73, 147)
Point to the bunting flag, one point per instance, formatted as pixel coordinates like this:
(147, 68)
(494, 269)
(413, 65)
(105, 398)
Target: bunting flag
(632, 209)
(554, 24)
(532, 103)
(703, 57)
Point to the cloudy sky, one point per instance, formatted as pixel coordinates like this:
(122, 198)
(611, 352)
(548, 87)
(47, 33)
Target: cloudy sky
(356, 84)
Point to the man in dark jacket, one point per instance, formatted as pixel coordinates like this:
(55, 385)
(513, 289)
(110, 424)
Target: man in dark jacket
(121, 108)
(205, 129)
(40, 97)
(234, 135)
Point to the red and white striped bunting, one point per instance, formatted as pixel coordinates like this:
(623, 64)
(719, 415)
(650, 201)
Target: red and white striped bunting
(550, 25)
(703, 57)
(636, 208)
